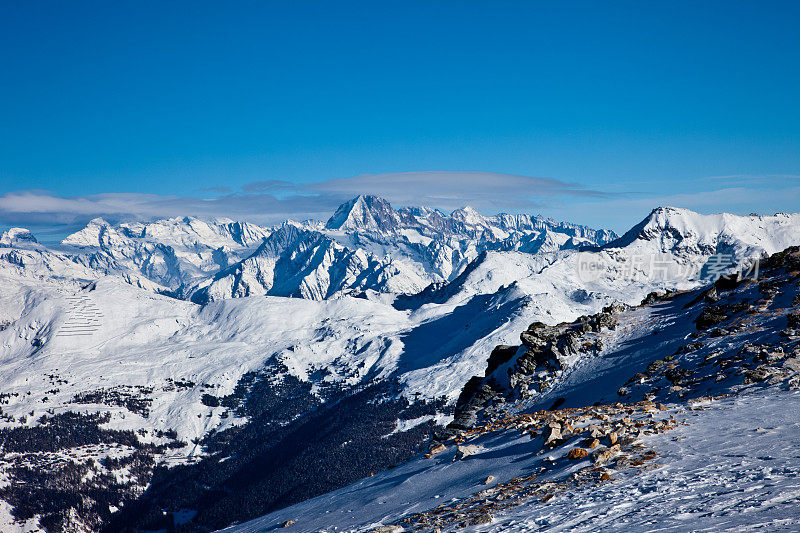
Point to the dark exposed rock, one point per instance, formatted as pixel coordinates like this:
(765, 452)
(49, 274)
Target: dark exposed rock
(548, 350)
(654, 366)
(789, 258)
(482, 518)
(691, 347)
(577, 453)
(711, 316)
(711, 295)
(758, 374)
(538, 334)
(548, 346)
(477, 394)
(500, 355)
(651, 298)
(469, 390)
(715, 314)
(637, 378)
(727, 282)
(678, 376)
(654, 297)
(770, 288)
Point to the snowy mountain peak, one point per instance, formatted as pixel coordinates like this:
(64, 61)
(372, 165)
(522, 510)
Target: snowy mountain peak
(14, 236)
(365, 212)
(88, 236)
(178, 231)
(421, 211)
(663, 217)
(690, 236)
(468, 215)
(655, 223)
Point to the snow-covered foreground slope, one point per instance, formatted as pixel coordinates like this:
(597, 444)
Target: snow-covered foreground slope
(674, 416)
(730, 468)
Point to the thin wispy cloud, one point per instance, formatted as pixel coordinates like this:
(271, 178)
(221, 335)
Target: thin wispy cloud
(61, 215)
(216, 190)
(619, 214)
(269, 186)
(755, 178)
(490, 191)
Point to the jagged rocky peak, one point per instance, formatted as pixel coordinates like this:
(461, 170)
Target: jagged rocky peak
(14, 236)
(365, 212)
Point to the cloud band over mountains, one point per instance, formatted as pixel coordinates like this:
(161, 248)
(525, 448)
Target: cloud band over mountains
(271, 201)
(275, 200)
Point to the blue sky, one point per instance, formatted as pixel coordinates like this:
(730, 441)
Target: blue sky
(163, 108)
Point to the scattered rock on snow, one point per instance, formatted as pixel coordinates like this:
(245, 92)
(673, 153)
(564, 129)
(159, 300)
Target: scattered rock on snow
(793, 363)
(577, 453)
(464, 451)
(482, 518)
(553, 436)
(387, 529)
(438, 448)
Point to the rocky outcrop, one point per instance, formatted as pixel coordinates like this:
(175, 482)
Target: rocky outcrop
(551, 349)
(546, 351)
(526, 370)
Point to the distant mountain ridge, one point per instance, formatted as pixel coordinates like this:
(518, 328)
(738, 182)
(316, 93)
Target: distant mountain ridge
(366, 245)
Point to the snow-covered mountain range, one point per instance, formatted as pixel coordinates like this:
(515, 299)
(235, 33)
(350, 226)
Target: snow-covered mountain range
(267, 366)
(365, 246)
